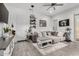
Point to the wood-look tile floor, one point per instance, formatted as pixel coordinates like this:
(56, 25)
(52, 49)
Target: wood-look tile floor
(71, 50)
(27, 49)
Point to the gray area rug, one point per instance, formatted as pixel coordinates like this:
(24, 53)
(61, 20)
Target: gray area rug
(48, 50)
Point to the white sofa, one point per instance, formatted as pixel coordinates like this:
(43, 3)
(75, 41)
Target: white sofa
(59, 37)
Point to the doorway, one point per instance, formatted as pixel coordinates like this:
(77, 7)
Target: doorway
(76, 26)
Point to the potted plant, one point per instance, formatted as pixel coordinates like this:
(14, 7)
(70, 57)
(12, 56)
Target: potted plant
(6, 31)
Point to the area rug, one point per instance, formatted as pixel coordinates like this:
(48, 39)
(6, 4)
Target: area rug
(48, 50)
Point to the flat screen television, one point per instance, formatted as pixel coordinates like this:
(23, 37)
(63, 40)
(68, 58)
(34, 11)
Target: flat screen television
(63, 23)
(3, 13)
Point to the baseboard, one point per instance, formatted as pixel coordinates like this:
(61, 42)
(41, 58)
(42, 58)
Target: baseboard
(21, 40)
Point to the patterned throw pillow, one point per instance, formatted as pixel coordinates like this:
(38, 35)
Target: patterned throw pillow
(40, 34)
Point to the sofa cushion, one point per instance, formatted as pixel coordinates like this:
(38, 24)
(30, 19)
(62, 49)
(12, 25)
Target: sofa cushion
(40, 34)
(49, 33)
(54, 33)
(60, 34)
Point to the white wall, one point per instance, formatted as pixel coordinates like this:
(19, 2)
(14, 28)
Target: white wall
(20, 18)
(69, 14)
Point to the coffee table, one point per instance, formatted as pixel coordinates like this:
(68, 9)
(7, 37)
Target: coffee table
(44, 42)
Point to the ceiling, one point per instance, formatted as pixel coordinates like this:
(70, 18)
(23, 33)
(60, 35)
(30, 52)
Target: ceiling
(39, 8)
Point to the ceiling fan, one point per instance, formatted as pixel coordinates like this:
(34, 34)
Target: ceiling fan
(53, 5)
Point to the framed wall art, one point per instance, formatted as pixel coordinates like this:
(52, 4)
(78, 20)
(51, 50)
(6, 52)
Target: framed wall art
(42, 23)
(64, 23)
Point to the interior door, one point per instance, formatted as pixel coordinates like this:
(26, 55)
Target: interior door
(77, 27)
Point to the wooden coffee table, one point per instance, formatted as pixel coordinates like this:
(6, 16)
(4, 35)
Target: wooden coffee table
(44, 42)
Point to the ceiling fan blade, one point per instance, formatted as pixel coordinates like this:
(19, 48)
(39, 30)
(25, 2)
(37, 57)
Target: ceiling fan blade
(49, 7)
(59, 5)
(52, 4)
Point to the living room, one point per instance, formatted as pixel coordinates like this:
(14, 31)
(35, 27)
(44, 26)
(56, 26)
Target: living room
(46, 27)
